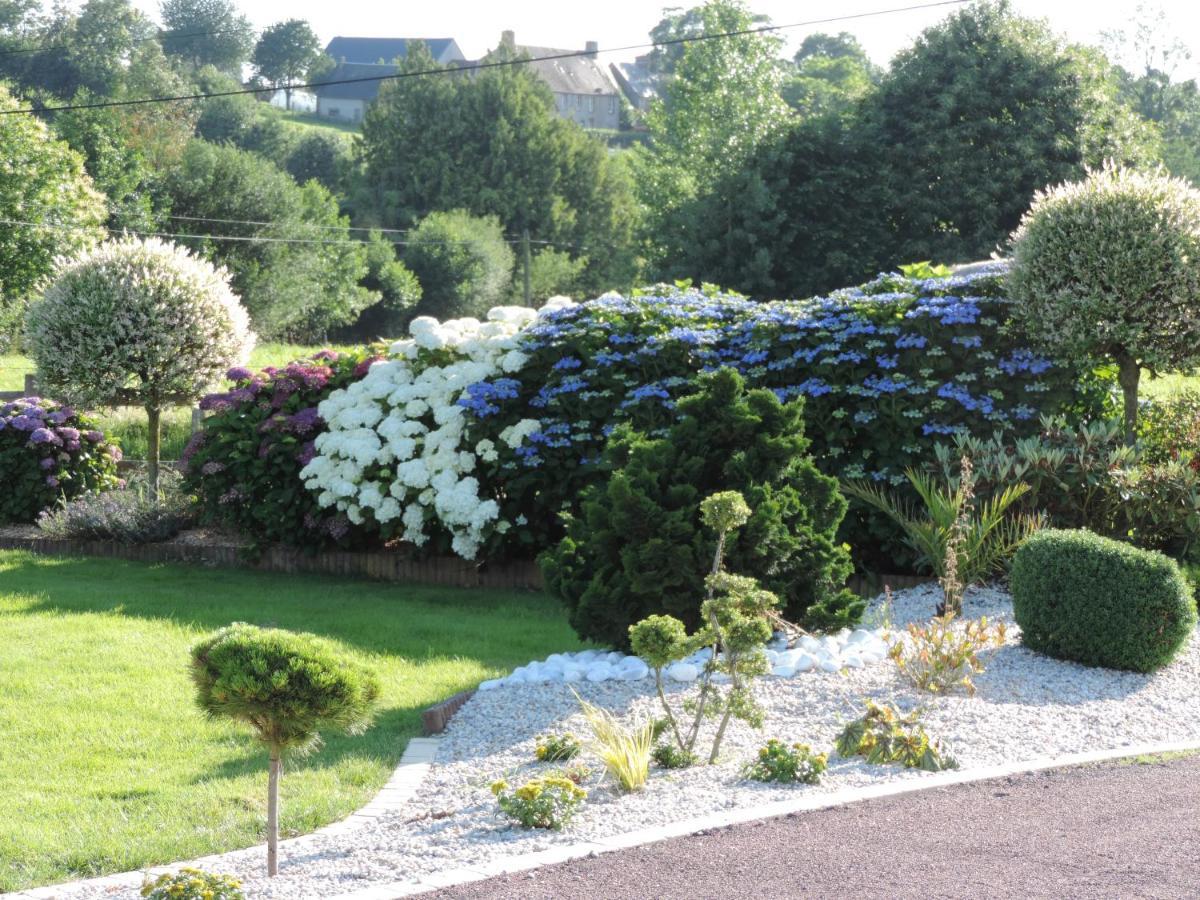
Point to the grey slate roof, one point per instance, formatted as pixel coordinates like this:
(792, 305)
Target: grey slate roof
(574, 75)
(386, 50)
(362, 90)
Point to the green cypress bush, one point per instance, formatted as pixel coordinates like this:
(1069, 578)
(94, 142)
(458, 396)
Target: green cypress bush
(638, 547)
(1100, 602)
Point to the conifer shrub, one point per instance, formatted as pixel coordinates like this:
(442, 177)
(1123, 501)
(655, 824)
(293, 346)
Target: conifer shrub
(639, 548)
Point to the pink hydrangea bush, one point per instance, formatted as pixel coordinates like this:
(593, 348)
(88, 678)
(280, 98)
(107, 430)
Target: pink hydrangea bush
(244, 465)
(49, 452)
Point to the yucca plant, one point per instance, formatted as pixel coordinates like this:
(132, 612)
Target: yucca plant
(625, 752)
(953, 534)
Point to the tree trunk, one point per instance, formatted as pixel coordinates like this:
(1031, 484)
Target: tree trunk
(1128, 376)
(273, 814)
(287, 98)
(153, 440)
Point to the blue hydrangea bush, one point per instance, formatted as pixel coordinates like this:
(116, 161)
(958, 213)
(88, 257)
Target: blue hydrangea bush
(887, 370)
(49, 452)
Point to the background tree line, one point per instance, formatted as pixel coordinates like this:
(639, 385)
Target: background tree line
(776, 177)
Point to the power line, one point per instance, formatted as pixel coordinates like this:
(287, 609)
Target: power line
(282, 224)
(261, 239)
(161, 36)
(493, 64)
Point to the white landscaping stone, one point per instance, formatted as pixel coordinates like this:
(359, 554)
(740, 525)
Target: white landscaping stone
(829, 665)
(784, 671)
(1027, 706)
(683, 672)
(805, 662)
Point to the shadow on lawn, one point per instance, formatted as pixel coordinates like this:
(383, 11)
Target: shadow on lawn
(335, 748)
(496, 629)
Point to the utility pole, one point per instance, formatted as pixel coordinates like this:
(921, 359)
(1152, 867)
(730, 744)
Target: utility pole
(526, 259)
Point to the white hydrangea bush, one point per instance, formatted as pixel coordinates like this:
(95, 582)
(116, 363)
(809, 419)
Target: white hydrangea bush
(395, 452)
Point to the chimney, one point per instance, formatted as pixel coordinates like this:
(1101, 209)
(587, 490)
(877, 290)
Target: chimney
(592, 48)
(508, 39)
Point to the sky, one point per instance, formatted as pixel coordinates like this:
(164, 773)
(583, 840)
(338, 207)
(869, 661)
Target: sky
(476, 24)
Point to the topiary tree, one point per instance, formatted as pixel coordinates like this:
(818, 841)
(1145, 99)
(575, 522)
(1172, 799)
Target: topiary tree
(638, 548)
(1100, 602)
(137, 323)
(1108, 267)
(287, 687)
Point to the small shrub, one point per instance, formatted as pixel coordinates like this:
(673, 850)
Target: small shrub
(463, 263)
(49, 452)
(1086, 476)
(624, 752)
(787, 764)
(193, 884)
(1081, 597)
(286, 687)
(134, 515)
(244, 465)
(943, 654)
(885, 735)
(557, 747)
(670, 756)
(548, 801)
(951, 529)
(737, 615)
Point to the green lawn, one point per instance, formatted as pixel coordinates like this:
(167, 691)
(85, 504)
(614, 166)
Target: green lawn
(105, 763)
(313, 122)
(128, 425)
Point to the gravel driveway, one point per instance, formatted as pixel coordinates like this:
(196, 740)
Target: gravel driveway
(1115, 830)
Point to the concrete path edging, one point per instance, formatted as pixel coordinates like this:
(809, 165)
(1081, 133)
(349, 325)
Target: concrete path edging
(414, 764)
(528, 861)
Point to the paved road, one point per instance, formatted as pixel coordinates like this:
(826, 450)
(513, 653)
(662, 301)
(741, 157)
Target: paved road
(1118, 830)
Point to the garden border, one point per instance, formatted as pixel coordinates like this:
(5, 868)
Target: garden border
(378, 565)
(418, 756)
(528, 861)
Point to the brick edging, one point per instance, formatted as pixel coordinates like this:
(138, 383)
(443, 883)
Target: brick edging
(437, 717)
(380, 565)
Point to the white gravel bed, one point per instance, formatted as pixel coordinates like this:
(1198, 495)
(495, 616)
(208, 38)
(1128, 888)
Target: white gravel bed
(1027, 706)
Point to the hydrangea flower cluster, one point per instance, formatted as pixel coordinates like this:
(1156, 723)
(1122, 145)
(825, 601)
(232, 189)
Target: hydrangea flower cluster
(49, 452)
(397, 456)
(887, 370)
(245, 463)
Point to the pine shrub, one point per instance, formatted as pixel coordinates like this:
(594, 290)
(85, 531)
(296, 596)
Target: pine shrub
(639, 548)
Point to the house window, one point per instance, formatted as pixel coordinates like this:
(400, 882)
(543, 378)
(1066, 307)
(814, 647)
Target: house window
(591, 104)
(334, 112)
(612, 104)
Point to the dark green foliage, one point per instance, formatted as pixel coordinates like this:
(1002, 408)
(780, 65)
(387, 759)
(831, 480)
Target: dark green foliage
(320, 156)
(398, 290)
(207, 32)
(288, 52)
(938, 162)
(1081, 597)
(291, 290)
(463, 263)
(287, 686)
(244, 466)
(638, 547)
(493, 145)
